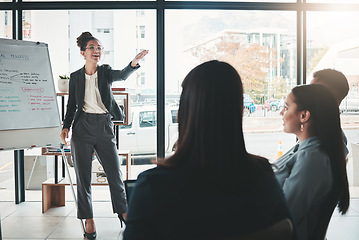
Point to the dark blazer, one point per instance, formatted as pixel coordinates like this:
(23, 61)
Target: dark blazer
(106, 76)
(163, 207)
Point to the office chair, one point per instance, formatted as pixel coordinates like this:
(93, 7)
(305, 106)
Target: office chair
(325, 216)
(281, 230)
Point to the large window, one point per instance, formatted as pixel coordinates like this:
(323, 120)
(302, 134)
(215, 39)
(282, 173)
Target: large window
(242, 38)
(263, 52)
(117, 32)
(333, 42)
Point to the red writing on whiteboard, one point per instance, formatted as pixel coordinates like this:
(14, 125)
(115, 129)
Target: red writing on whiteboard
(26, 89)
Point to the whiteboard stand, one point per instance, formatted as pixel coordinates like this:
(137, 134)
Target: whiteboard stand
(64, 160)
(32, 172)
(29, 113)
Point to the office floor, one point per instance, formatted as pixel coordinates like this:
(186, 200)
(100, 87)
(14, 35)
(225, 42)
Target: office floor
(25, 220)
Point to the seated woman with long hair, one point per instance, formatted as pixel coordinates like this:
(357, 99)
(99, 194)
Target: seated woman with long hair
(211, 187)
(313, 173)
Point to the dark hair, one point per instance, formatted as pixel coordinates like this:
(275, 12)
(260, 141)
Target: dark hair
(210, 143)
(83, 39)
(325, 123)
(335, 81)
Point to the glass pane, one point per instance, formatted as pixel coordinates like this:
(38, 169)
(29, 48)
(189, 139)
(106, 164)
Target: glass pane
(123, 34)
(6, 24)
(7, 176)
(6, 157)
(333, 42)
(262, 51)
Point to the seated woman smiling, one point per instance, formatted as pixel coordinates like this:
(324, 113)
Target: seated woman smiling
(313, 173)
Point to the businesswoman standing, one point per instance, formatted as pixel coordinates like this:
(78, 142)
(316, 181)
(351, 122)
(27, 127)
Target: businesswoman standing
(90, 108)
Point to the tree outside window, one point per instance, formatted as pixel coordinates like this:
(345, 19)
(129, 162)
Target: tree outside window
(257, 64)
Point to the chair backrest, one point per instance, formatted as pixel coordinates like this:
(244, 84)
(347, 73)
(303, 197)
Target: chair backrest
(326, 213)
(129, 186)
(282, 230)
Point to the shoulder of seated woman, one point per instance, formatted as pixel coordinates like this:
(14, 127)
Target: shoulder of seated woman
(259, 159)
(159, 171)
(308, 155)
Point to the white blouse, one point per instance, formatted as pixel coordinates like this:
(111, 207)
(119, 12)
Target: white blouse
(92, 100)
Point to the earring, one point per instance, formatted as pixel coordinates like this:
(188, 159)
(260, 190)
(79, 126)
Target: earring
(301, 127)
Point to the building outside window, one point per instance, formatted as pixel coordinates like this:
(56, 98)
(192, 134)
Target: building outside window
(5, 24)
(142, 31)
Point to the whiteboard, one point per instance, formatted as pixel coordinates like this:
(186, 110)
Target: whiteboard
(29, 114)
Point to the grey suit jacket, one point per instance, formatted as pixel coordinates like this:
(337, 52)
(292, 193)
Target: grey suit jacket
(106, 76)
(305, 174)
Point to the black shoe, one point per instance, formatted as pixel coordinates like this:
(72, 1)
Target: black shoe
(121, 219)
(90, 236)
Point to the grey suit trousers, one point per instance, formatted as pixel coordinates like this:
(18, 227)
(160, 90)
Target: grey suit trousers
(93, 133)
